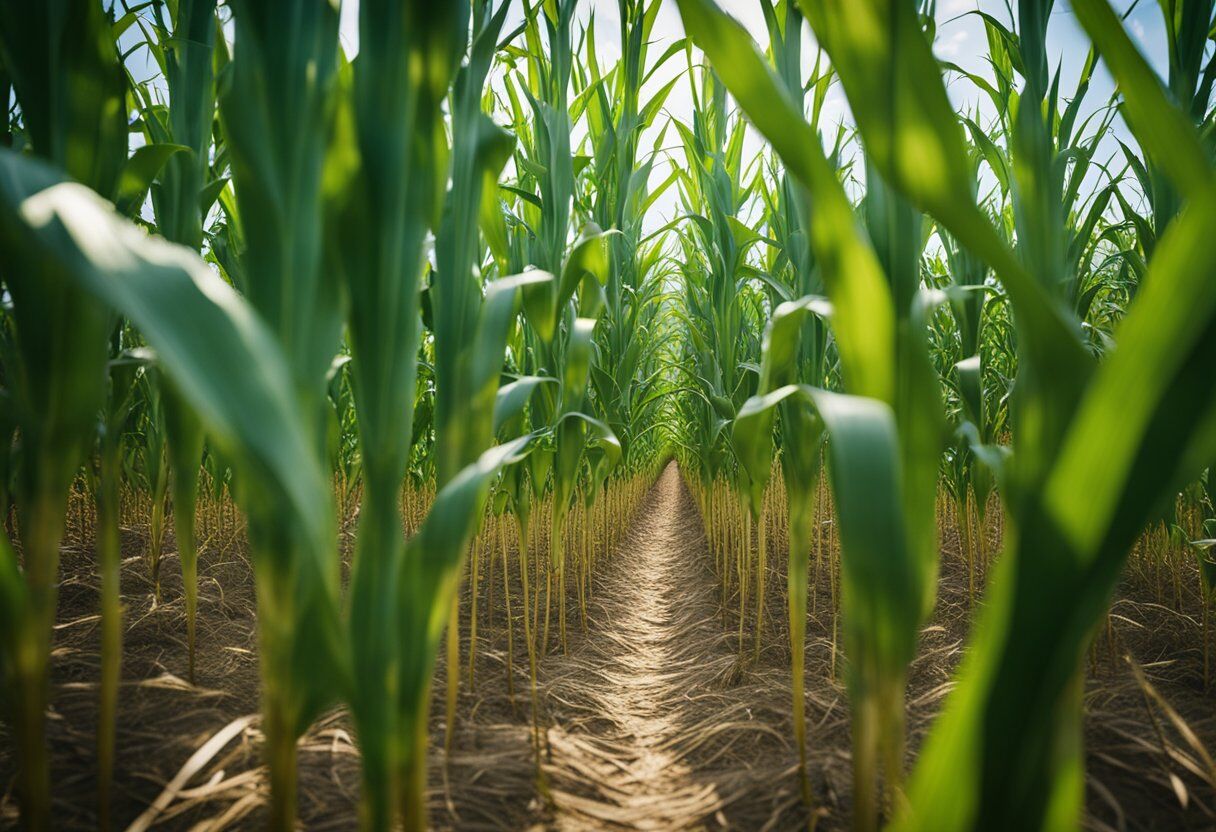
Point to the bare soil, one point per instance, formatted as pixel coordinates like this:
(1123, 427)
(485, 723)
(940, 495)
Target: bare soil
(652, 718)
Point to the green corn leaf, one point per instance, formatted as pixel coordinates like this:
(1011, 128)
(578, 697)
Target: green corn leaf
(883, 585)
(1162, 129)
(184, 433)
(598, 436)
(997, 758)
(225, 364)
(209, 194)
(911, 135)
(63, 63)
(429, 569)
(863, 322)
(752, 434)
(588, 258)
(497, 317)
(511, 399)
(14, 616)
(576, 371)
(138, 173)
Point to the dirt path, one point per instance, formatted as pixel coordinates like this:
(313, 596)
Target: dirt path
(652, 720)
(655, 723)
(630, 703)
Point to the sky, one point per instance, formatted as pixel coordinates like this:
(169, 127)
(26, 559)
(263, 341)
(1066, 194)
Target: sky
(960, 39)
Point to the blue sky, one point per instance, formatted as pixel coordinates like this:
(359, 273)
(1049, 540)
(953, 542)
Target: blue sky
(960, 39)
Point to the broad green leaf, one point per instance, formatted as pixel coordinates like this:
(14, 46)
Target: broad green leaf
(511, 398)
(882, 583)
(912, 136)
(1162, 129)
(576, 371)
(226, 365)
(139, 172)
(863, 322)
(429, 568)
(999, 758)
(71, 87)
(752, 434)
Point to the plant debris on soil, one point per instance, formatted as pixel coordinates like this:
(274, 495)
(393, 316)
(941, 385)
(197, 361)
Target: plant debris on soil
(652, 718)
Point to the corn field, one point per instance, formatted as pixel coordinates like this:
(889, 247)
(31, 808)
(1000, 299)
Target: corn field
(575, 414)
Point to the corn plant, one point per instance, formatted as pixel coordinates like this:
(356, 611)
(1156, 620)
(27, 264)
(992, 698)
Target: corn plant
(1207, 569)
(65, 73)
(627, 378)
(465, 380)
(277, 114)
(976, 422)
(154, 471)
(181, 198)
(512, 417)
(884, 438)
(1189, 81)
(123, 372)
(239, 384)
(344, 457)
(1080, 484)
(1046, 158)
(792, 272)
(386, 200)
(401, 592)
(562, 313)
(723, 311)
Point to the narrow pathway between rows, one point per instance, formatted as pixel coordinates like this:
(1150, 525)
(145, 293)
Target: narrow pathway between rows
(625, 704)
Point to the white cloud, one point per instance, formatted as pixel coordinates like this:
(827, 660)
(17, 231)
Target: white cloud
(951, 45)
(953, 7)
(1138, 30)
(749, 13)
